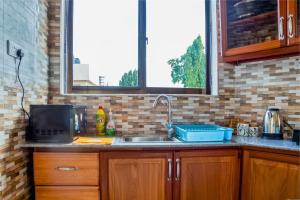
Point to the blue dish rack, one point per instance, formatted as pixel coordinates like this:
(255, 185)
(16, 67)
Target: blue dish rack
(203, 133)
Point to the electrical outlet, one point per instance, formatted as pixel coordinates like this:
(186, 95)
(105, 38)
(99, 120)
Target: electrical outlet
(12, 48)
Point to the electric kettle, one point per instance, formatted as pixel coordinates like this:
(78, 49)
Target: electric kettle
(272, 124)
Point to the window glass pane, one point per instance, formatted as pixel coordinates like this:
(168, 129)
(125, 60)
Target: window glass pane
(176, 46)
(105, 42)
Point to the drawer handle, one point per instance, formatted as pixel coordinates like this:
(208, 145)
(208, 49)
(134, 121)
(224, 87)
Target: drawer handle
(67, 168)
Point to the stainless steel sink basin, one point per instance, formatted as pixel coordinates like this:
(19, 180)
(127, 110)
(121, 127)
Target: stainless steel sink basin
(144, 139)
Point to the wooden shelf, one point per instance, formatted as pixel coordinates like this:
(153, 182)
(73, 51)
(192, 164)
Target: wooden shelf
(252, 19)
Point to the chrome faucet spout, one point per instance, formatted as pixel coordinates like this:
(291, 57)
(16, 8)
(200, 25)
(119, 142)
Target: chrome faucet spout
(169, 104)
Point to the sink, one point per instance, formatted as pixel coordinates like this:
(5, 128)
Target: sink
(145, 139)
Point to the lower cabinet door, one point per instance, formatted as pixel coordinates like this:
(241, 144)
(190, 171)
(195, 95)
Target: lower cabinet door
(67, 193)
(270, 176)
(207, 174)
(136, 176)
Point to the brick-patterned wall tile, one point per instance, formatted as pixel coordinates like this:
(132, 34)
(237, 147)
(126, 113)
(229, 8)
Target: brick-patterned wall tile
(26, 23)
(244, 91)
(269, 83)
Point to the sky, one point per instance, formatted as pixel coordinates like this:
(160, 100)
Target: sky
(106, 36)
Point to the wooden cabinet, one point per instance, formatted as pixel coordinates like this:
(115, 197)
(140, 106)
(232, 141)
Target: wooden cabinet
(207, 174)
(66, 168)
(136, 176)
(270, 176)
(293, 22)
(68, 176)
(202, 174)
(259, 29)
(66, 193)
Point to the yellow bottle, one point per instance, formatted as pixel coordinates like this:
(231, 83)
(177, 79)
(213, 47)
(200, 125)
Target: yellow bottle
(100, 121)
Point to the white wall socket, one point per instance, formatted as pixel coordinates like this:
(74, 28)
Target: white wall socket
(12, 48)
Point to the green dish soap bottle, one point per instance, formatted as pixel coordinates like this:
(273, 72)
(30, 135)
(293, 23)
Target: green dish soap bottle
(110, 126)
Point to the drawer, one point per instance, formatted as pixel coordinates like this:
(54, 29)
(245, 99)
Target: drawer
(66, 168)
(66, 193)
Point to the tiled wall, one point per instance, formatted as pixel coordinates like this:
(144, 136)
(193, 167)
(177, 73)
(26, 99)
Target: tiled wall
(244, 91)
(24, 22)
(268, 83)
(134, 114)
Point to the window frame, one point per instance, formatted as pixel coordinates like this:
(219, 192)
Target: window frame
(69, 88)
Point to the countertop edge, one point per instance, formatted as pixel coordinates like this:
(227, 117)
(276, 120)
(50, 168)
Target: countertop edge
(237, 141)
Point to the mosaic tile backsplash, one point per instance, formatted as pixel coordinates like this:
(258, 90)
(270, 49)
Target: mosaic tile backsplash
(245, 91)
(25, 23)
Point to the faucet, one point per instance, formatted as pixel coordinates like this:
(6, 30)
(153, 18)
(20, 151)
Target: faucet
(169, 123)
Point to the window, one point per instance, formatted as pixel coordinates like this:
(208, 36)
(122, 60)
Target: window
(137, 46)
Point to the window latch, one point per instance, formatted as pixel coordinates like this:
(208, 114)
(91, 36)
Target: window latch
(147, 40)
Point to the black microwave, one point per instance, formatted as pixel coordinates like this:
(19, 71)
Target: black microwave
(56, 123)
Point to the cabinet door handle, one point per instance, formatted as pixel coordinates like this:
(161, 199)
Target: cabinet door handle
(177, 169)
(290, 26)
(67, 168)
(169, 169)
(280, 31)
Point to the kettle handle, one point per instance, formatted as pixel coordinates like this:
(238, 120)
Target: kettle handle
(287, 124)
(270, 115)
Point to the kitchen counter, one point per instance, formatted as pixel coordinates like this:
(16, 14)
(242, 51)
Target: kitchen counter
(237, 141)
(267, 143)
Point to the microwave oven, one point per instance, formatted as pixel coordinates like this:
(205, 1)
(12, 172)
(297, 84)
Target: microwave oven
(56, 123)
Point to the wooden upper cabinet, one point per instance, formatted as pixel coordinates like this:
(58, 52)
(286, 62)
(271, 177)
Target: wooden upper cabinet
(256, 29)
(210, 175)
(270, 176)
(293, 22)
(136, 176)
